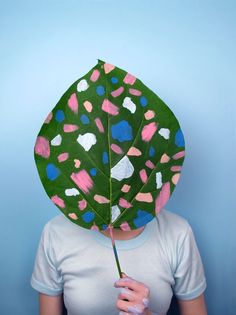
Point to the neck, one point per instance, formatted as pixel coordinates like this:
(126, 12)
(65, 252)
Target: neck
(123, 235)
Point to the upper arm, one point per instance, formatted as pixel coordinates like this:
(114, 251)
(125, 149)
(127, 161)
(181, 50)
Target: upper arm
(195, 306)
(50, 305)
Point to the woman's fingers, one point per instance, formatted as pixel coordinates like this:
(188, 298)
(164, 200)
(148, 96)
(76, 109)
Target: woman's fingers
(130, 283)
(126, 293)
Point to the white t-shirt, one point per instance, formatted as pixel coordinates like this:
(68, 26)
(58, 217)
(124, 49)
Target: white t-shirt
(80, 263)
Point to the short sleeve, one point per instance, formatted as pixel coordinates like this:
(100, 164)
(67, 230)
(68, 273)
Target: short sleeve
(190, 281)
(45, 277)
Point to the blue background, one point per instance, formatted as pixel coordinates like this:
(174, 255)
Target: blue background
(185, 52)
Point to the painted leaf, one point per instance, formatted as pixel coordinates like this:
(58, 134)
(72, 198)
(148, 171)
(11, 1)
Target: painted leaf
(110, 151)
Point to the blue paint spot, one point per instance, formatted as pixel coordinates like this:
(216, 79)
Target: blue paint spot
(84, 119)
(151, 151)
(88, 216)
(93, 171)
(143, 101)
(143, 218)
(52, 171)
(104, 226)
(105, 157)
(179, 138)
(100, 90)
(114, 80)
(60, 116)
(122, 131)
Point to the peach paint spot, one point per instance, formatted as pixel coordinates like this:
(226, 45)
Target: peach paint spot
(70, 128)
(73, 103)
(82, 204)
(73, 216)
(134, 151)
(95, 75)
(129, 79)
(63, 157)
(125, 188)
(164, 158)
(42, 147)
(148, 131)
(116, 148)
(82, 180)
(163, 197)
(110, 108)
(124, 203)
(77, 163)
(178, 155)
(135, 92)
(146, 197)
(94, 227)
(58, 201)
(125, 226)
(176, 168)
(149, 164)
(143, 175)
(88, 106)
(48, 119)
(108, 67)
(99, 125)
(175, 178)
(117, 92)
(101, 199)
(149, 114)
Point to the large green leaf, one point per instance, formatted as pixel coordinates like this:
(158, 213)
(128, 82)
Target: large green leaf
(110, 151)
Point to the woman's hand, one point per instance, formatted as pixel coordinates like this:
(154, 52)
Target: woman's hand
(137, 294)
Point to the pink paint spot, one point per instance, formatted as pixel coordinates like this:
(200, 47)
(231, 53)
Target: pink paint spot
(176, 168)
(135, 92)
(88, 106)
(175, 178)
(149, 164)
(163, 197)
(77, 163)
(62, 157)
(117, 92)
(149, 114)
(48, 119)
(178, 155)
(99, 125)
(116, 148)
(148, 131)
(134, 151)
(125, 188)
(125, 226)
(73, 103)
(101, 199)
(58, 201)
(110, 108)
(70, 128)
(108, 67)
(82, 204)
(145, 197)
(143, 175)
(94, 227)
(129, 79)
(82, 180)
(42, 147)
(124, 203)
(165, 158)
(95, 75)
(73, 216)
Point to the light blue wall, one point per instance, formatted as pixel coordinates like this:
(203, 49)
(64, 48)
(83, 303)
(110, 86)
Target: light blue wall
(185, 52)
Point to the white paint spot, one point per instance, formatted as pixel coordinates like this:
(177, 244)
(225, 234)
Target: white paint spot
(164, 132)
(129, 104)
(87, 140)
(82, 85)
(159, 179)
(123, 169)
(115, 212)
(56, 141)
(71, 192)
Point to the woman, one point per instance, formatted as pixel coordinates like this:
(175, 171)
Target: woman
(159, 259)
